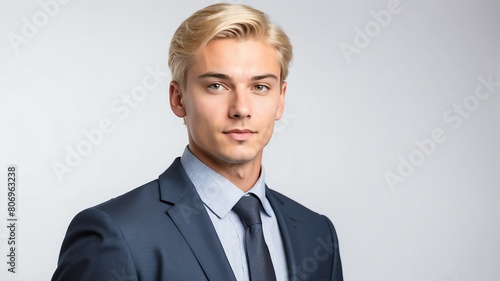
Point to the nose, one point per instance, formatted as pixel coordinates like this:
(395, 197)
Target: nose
(240, 105)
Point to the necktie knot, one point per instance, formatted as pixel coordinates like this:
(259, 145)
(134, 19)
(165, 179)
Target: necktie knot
(248, 209)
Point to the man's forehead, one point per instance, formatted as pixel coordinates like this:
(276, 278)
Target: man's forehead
(233, 57)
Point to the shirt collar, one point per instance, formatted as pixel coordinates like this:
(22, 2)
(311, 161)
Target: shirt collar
(218, 193)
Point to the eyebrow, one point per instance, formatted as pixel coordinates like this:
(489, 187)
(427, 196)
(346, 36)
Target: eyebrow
(227, 77)
(264, 76)
(215, 75)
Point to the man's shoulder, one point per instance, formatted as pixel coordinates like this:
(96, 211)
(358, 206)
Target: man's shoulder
(138, 197)
(293, 207)
(147, 195)
(145, 202)
(127, 211)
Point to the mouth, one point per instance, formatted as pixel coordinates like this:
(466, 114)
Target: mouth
(240, 134)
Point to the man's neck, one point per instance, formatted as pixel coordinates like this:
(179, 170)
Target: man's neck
(243, 175)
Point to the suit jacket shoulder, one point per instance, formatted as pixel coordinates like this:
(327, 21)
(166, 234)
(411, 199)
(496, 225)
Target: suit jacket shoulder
(159, 231)
(311, 242)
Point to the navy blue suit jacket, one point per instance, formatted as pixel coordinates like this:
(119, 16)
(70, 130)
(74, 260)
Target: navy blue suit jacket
(161, 231)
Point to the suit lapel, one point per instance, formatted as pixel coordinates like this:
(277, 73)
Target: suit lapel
(290, 233)
(189, 215)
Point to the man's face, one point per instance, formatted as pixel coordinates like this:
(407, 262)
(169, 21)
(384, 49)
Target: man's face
(232, 98)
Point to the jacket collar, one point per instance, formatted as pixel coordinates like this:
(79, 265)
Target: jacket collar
(190, 217)
(290, 232)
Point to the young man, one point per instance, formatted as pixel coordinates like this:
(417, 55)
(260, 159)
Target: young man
(195, 222)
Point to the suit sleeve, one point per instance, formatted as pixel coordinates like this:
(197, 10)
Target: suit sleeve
(94, 249)
(337, 265)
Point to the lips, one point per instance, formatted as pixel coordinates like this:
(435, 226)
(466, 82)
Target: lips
(239, 131)
(239, 134)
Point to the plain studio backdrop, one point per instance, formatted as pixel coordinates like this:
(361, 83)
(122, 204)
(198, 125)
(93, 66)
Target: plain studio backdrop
(392, 125)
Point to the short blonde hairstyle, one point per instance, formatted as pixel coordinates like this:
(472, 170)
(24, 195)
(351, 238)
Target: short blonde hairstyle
(220, 21)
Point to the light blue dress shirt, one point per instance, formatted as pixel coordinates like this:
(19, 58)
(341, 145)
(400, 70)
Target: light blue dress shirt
(219, 196)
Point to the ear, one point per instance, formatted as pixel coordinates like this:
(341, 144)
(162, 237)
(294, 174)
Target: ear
(176, 103)
(281, 104)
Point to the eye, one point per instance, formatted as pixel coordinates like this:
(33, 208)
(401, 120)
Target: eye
(215, 86)
(261, 88)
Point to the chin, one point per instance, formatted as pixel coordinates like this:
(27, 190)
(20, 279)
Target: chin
(232, 159)
(239, 157)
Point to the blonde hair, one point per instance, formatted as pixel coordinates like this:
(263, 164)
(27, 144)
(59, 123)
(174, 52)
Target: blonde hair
(219, 21)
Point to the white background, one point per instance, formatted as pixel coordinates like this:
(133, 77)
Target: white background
(349, 121)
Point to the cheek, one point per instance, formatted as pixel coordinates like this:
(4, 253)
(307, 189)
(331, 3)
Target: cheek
(203, 119)
(267, 116)
(268, 111)
(198, 110)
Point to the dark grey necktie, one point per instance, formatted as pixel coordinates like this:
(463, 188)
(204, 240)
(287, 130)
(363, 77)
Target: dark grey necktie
(259, 261)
